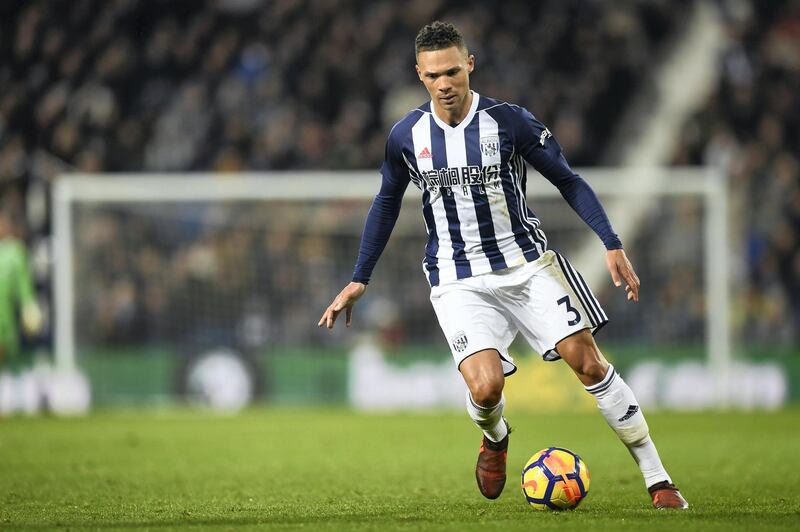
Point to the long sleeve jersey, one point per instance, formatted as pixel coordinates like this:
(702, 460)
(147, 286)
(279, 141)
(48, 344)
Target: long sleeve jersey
(473, 181)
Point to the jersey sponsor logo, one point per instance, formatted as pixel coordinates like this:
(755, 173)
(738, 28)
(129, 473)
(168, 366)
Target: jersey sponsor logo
(632, 409)
(490, 145)
(425, 153)
(459, 341)
(462, 176)
(545, 134)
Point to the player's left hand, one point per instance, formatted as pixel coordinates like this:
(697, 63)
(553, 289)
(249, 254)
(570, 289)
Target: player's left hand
(621, 269)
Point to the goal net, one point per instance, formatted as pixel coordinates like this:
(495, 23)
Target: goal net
(209, 287)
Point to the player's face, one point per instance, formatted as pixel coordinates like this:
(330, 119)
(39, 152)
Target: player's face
(445, 74)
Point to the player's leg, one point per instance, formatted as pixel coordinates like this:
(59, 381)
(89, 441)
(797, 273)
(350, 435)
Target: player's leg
(479, 334)
(483, 373)
(557, 315)
(622, 412)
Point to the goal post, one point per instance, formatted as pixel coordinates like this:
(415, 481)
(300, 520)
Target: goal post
(278, 196)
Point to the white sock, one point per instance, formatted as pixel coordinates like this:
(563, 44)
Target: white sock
(489, 419)
(621, 410)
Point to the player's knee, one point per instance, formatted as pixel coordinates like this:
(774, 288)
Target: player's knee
(584, 357)
(487, 392)
(593, 367)
(589, 363)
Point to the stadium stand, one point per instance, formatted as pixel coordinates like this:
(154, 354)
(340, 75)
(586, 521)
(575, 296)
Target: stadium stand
(750, 127)
(127, 85)
(238, 85)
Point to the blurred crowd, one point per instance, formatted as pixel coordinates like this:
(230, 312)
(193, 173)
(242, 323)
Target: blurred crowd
(231, 85)
(243, 273)
(133, 85)
(750, 127)
(234, 85)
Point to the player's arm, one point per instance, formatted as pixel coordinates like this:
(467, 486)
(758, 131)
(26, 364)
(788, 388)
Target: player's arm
(538, 146)
(377, 230)
(31, 313)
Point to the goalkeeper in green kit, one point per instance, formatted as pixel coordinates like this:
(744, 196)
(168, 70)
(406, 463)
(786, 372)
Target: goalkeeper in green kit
(17, 296)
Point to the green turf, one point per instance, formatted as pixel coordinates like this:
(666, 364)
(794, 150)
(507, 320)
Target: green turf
(336, 470)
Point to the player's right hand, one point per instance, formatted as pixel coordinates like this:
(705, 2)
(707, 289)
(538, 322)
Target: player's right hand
(344, 301)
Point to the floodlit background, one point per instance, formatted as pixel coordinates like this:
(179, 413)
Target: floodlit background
(215, 300)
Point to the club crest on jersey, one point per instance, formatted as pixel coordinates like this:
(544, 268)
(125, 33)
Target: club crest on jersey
(460, 341)
(490, 145)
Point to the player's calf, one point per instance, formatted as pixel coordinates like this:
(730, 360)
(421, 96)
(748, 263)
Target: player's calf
(488, 418)
(484, 377)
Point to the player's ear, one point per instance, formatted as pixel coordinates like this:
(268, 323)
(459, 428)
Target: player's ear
(419, 72)
(470, 63)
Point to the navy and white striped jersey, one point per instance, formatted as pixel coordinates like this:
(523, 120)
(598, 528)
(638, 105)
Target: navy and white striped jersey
(473, 178)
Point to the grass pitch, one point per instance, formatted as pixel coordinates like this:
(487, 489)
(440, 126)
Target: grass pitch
(337, 470)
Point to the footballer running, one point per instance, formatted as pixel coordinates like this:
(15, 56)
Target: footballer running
(487, 261)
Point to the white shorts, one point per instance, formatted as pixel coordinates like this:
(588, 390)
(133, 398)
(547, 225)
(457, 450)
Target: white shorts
(546, 300)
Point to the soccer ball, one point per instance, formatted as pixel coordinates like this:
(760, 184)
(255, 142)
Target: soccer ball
(555, 479)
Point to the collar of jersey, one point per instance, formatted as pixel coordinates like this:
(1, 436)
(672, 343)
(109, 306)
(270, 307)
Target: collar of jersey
(467, 119)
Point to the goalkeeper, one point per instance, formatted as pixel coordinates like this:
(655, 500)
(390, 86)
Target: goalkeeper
(17, 296)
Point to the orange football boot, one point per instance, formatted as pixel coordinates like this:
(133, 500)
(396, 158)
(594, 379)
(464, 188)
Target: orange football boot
(666, 495)
(490, 471)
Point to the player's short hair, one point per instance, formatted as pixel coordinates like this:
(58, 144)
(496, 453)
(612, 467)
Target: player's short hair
(438, 35)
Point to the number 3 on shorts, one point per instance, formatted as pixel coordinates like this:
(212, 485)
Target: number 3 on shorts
(565, 301)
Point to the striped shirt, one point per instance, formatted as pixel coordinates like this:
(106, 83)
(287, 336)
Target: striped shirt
(473, 178)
